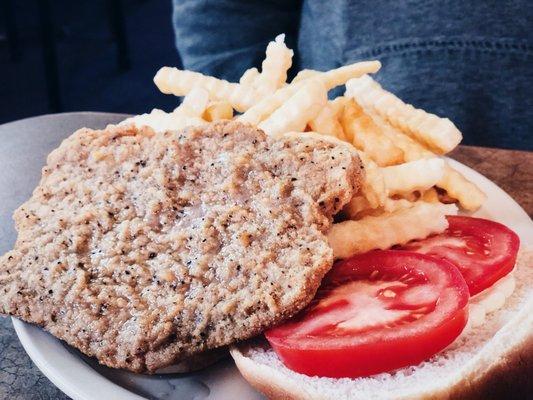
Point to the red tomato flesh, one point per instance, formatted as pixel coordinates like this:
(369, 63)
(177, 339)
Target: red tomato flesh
(374, 313)
(484, 251)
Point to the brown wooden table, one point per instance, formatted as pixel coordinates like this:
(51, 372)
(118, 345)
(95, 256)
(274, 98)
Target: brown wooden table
(511, 170)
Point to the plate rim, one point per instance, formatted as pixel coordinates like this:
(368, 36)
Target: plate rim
(57, 375)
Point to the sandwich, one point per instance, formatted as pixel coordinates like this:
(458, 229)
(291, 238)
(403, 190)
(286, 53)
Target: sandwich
(319, 240)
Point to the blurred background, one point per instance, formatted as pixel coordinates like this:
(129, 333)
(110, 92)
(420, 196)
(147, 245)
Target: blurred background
(98, 55)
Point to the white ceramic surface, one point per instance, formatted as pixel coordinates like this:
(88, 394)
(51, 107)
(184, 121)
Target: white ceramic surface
(83, 379)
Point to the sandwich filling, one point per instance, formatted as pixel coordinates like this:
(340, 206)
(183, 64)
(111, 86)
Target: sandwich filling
(388, 309)
(143, 249)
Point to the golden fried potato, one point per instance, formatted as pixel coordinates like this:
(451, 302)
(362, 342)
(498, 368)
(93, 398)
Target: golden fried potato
(217, 110)
(440, 134)
(373, 187)
(194, 103)
(470, 197)
(430, 196)
(305, 74)
(161, 121)
(413, 176)
(274, 67)
(179, 83)
(348, 238)
(296, 112)
(327, 122)
(249, 77)
(365, 135)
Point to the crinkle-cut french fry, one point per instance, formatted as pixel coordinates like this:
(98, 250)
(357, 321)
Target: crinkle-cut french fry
(161, 121)
(470, 197)
(305, 74)
(327, 123)
(381, 232)
(269, 104)
(390, 206)
(338, 104)
(249, 77)
(339, 76)
(217, 110)
(440, 134)
(412, 150)
(330, 79)
(430, 196)
(365, 135)
(415, 175)
(296, 112)
(193, 104)
(274, 67)
(179, 83)
(373, 187)
(357, 205)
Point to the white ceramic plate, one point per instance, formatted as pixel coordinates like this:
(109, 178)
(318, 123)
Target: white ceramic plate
(83, 379)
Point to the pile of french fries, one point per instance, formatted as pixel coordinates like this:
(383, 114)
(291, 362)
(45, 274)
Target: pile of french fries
(409, 187)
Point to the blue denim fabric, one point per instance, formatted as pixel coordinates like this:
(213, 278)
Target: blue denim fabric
(468, 60)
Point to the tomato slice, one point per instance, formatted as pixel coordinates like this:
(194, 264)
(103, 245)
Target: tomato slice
(484, 251)
(374, 313)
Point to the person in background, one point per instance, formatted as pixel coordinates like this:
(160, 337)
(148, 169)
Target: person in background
(468, 61)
